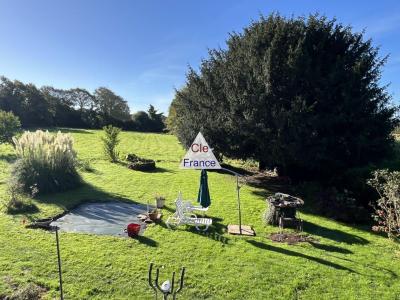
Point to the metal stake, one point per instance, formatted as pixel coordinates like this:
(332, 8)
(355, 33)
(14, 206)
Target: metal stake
(238, 197)
(59, 264)
(156, 287)
(238, 200)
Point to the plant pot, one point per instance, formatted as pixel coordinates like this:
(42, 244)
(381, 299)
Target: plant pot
(160, 202)
(133, 229)
(153, 215)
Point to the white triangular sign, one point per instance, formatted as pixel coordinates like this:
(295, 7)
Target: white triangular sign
(199, 156)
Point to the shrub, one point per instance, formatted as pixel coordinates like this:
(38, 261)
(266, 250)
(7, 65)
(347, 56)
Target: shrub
(18, 202)
(45, 161)
(29, 292)
(140, 164)
(9, 126)
(85, 165)
(387, 208)
(341, 206)
(329, 201)
(110, 142)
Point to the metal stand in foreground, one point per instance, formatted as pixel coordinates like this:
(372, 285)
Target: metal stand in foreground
(166, 288)
(239, 229)
(55, 228)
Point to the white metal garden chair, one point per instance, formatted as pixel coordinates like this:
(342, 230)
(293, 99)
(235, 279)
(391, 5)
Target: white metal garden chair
(183, 216)
(189, 207)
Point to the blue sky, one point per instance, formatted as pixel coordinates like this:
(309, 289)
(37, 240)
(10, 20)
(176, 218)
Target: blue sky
(141, 49)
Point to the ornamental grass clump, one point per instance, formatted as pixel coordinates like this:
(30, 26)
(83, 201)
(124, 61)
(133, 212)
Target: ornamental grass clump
(45, 161)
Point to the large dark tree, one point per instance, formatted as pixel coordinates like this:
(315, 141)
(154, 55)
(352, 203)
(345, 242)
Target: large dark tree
(299, 94)
(156, 119)
(110, 105)
(142, 121)
(62, 107)
(26, 102)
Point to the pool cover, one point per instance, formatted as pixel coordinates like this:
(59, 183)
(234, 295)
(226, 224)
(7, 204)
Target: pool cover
(105, 218)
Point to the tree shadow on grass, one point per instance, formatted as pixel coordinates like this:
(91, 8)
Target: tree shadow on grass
(297, 254)
(333, 234)
(156, 170)
(23, 208)
(169, 209)
(330, 248)
(86, 193)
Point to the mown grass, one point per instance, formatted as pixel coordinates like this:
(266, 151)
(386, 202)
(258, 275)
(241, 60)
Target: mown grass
(344, 263)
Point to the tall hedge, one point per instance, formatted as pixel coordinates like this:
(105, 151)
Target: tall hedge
(300, 94)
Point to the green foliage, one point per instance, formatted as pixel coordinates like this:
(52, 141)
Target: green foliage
(171, 121)
(111, 105)
(302, 95)
(18, 202)
(141, 120)
(78, 108)
(339, 205)
(84, 165)
(9, 126)
(46, 162)
(150, 121)
(387, 208)
(156, 119)
(110, 142)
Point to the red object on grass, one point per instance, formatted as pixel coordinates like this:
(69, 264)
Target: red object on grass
(133, 229)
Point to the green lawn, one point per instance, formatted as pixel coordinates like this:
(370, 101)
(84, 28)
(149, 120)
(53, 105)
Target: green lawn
(346, 263)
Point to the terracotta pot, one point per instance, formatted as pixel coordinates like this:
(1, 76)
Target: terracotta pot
(153, 215)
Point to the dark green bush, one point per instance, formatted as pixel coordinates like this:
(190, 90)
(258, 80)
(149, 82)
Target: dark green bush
(18, 202)
(301, 94)
(333, 203)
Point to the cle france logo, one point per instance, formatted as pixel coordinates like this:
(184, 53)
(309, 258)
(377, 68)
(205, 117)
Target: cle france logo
(199, 156)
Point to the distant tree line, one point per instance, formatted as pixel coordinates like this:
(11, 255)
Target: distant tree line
(48, 106)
